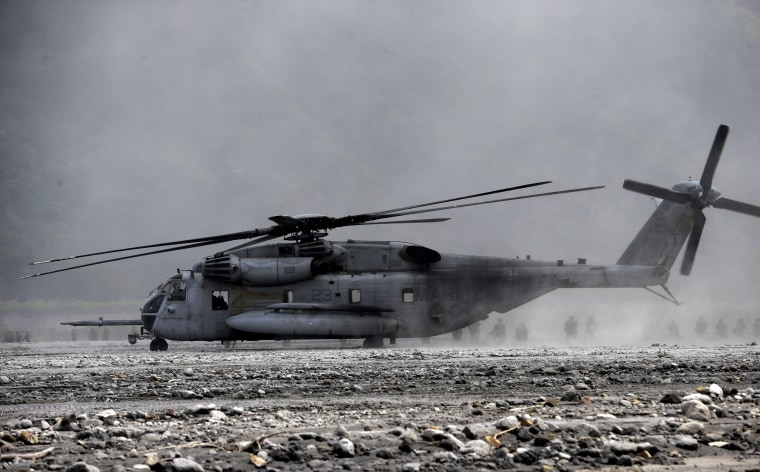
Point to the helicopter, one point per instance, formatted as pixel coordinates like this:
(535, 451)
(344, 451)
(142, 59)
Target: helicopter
(307, 287)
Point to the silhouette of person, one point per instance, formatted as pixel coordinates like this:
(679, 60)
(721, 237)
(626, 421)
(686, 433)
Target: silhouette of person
(590, 326)
(522, 332)
(721, 328)
(571, 327)
(499, 330)
(740, 328)
(673, 329)
(701, 326)
(474, 331)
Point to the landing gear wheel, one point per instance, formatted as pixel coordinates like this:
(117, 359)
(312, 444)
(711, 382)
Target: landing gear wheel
(132, 338)
(159, 344)
(372, 342)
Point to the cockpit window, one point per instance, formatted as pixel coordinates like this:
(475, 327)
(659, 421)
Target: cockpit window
(153, 304)
(177, 290)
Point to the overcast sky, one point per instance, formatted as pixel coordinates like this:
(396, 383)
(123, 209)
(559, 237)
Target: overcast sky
(157, 121)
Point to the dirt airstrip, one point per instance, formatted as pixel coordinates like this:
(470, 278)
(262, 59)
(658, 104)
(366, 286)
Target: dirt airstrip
(107, 405)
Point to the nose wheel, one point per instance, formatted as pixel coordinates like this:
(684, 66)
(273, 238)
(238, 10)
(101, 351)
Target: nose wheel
(159, 344)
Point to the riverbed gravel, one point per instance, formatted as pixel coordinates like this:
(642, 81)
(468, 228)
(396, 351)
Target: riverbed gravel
(111, 406)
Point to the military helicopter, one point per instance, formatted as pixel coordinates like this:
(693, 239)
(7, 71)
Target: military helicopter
(307, 287)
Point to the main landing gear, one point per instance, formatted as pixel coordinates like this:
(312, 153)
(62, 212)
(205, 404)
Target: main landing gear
(159, 344)
(373, 342)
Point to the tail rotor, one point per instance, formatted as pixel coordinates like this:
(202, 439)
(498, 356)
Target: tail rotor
(699, 195)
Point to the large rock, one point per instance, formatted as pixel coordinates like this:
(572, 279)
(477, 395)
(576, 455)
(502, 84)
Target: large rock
(476, 447)
(695, 410)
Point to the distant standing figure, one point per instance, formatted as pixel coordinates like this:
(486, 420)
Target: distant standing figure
(522, 332)
(740, 328)
(721, 329)
(590, 326)
(499, 330)
(571, 327)
(673, 329)
(701, 327)
(474, 331)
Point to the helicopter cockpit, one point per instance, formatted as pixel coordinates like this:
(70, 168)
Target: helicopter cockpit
(174, 288)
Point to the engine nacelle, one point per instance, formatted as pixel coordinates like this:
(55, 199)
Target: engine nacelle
(262, 271)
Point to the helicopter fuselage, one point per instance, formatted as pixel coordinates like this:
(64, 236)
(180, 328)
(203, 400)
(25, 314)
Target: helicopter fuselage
(354, 289)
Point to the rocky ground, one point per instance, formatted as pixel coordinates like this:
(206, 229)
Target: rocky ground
(110, 406)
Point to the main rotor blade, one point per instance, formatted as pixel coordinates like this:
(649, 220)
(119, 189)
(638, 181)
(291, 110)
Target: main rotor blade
(208, 240)
(656, 191)
(251, 243)
(132, 256)
(429, 220)
(713, 158)
(691, 246)
(463, 205)
(740, 207)
(492, 192)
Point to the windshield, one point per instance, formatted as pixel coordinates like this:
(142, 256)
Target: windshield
(153, 303)
(177, 290)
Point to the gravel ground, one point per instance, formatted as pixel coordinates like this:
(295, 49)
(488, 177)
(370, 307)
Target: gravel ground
(110, 406)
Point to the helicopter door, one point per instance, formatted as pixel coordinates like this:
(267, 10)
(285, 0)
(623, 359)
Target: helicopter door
(217, 322)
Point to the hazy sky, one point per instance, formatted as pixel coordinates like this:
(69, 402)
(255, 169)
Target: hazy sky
(154, 121)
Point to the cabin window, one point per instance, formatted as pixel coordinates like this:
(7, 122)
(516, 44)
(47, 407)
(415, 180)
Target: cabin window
(178, 291)
(407, 295)
(355, 295)
(287, 296)
(220, 300)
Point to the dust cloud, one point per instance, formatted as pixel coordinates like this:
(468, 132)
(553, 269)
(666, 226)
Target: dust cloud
(126, 123)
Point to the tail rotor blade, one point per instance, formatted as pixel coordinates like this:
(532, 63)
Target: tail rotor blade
(739, 207)
(693, 243)
(713, 158)
(656, 191)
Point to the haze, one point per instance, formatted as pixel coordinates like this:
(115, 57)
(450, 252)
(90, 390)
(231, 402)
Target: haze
(125, 123)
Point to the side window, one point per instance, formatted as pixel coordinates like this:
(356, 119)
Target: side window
(287, 296)
(178, 291)
(355, 295)
(407, 295)
(220, 299)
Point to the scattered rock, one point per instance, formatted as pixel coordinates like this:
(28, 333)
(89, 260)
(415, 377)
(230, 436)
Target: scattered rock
(380, 425)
